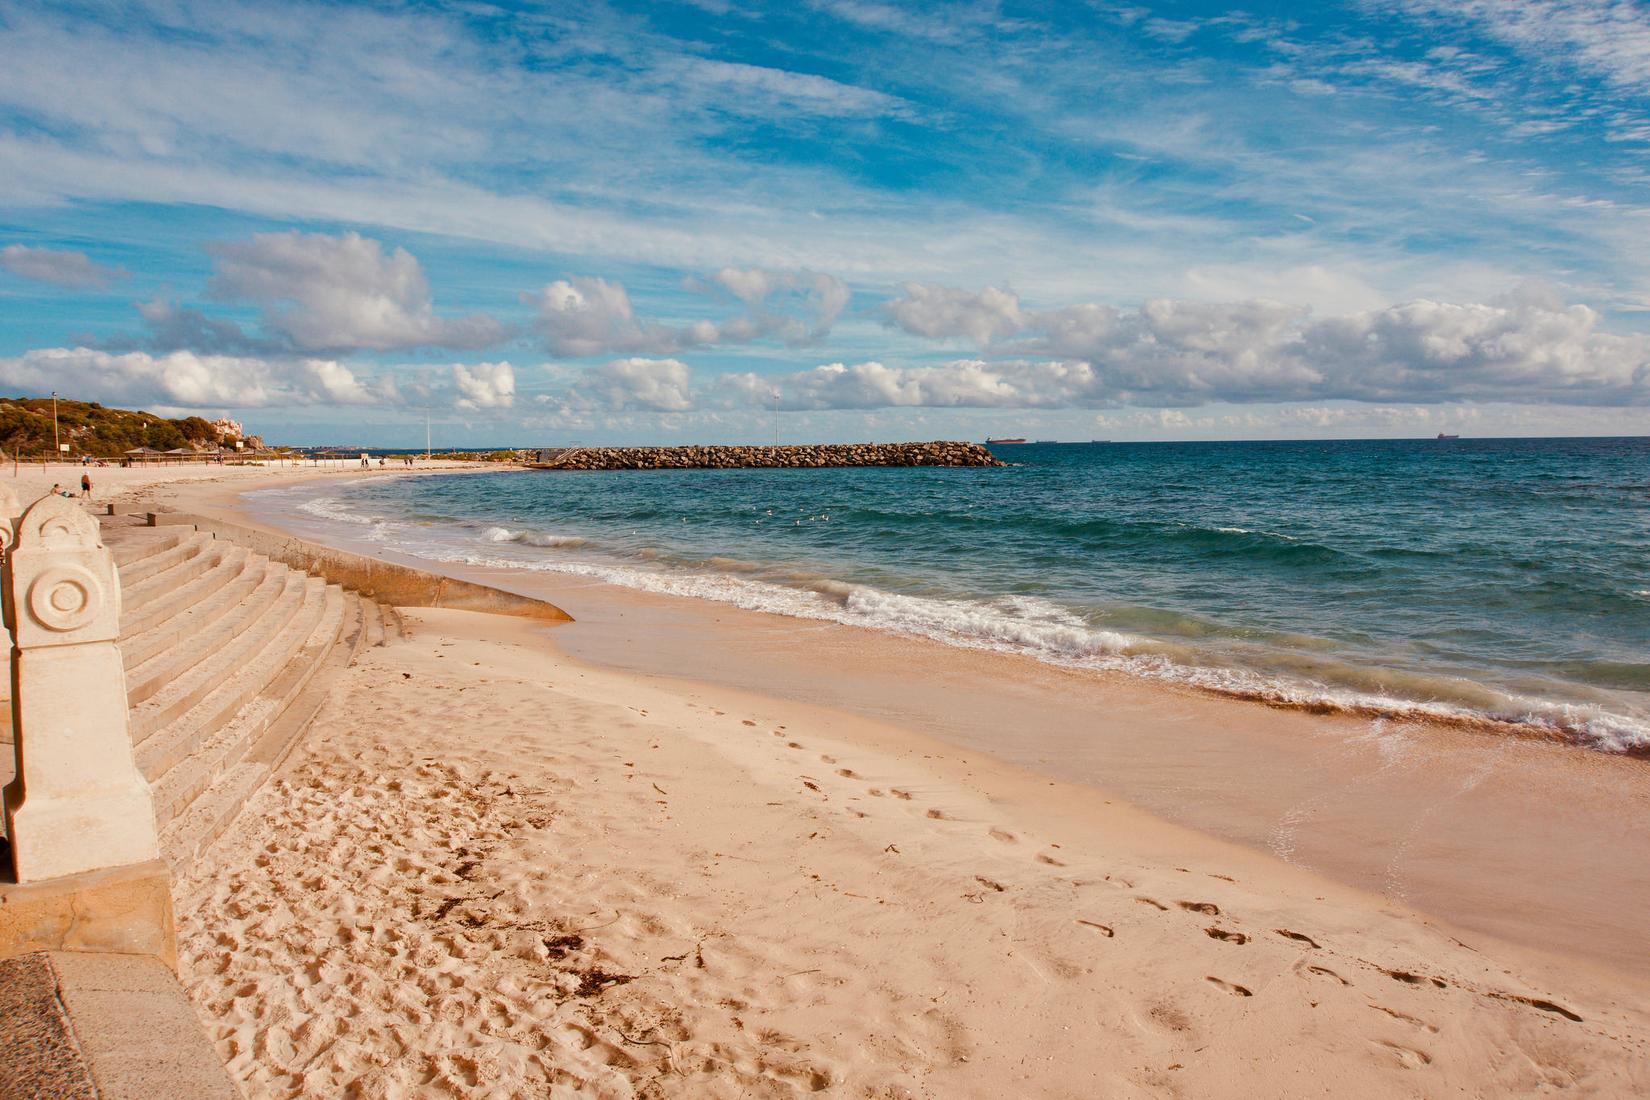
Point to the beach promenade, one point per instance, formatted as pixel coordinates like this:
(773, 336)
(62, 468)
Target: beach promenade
(490, 868)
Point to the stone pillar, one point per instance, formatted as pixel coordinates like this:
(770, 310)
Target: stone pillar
(78, 801)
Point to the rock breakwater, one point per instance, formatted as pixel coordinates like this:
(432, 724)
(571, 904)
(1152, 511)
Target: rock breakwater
(804, 456)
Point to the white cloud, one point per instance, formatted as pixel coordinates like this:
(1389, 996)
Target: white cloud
(756, 89)
(625, 385)
(1610, 38)
(767, 293)
(962, 384)
(940, 312)
(1529, 347)
(184, 379)
(61, 267)
(323, 291)
(583, 315)
(485, 385)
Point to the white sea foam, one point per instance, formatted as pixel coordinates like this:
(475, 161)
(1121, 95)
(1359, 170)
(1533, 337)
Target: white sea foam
(1251, 531)
(544, 539)
(332, 508)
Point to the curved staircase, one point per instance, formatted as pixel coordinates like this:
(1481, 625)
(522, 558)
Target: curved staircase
(227, 654)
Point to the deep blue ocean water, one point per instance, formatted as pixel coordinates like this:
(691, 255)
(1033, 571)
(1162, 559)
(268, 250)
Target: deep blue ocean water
(1493, 578)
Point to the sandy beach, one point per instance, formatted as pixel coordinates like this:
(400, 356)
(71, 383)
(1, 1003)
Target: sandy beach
(672, 850)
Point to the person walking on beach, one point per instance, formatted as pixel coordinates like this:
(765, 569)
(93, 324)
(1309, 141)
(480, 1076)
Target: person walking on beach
(86, 485)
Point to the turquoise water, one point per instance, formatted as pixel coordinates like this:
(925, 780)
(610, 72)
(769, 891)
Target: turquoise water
(1499, 578)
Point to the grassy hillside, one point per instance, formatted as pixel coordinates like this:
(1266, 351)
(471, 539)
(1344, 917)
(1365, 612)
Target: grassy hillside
(89, 428)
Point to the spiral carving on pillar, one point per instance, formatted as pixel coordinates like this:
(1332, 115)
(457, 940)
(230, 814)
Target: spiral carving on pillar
(60, 584)
(65, 597)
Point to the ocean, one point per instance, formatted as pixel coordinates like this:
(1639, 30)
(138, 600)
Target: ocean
(1502, 580)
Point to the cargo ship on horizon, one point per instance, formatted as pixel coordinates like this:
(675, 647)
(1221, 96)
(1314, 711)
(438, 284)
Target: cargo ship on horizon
(990, 441)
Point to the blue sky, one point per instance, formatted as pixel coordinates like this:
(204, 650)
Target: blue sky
(545, 223)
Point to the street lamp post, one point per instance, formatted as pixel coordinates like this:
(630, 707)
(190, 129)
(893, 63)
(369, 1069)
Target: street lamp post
(775, 396)
(57, 444)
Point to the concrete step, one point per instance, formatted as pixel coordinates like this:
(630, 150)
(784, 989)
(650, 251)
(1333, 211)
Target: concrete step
(177, 589)
(261, 623)
(358, 641)
(206, 705)
(143, 580)
(225, 727)
(375, 622)
(141, 555)
(166, 651)
(186, 837)
(205, 819)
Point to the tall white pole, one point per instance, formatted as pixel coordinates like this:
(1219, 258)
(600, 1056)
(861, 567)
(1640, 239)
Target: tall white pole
(57, 444)
(426, 435)
(776, 418)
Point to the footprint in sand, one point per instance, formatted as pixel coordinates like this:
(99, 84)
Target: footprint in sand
(1409, 978)
(846, 773)
(1324, 971)
(1048, 859)
(937, 815)
(1002, 835)
(1537, 1003)
(1230, 987)
(1408, 1057)
(1431, 1029)
(792, 745)
(748, 722)
(1207, 908)
(1288, 935)
(1103, 929)
(1227, 935)
(897, 793)
(1153, 902)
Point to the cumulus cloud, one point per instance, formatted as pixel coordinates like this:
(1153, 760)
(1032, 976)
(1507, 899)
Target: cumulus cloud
(961, 384)
(61, 267)
(766, 293)
(632, 385)
(485, 385)
(321, 291)
(179, 328)
(1529, 347)
(185, 379)
(942, 313)
(590, 316)
(582, 315)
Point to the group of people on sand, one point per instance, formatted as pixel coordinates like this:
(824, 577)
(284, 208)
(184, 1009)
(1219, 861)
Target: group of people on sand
(405, 460)
(85, 488)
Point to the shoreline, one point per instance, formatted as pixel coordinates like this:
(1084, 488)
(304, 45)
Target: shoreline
(1457, 699)
(1392, 808)
(680, 849)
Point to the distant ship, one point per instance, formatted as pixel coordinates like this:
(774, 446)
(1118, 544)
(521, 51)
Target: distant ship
(1441, 435)
(1005, 440)
(1048, 441)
